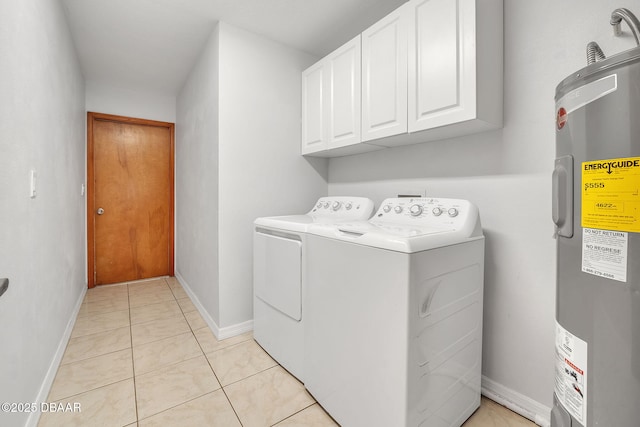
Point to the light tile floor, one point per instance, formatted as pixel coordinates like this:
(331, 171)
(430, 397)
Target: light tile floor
(141, 355)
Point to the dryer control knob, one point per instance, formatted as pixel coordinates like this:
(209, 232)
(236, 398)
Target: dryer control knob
(336, 206)
(387, 209)
(437, 211)
(319, 205)
(348, 206)
(415, 210)
(398, 209)
(453, 212)
(326, 205)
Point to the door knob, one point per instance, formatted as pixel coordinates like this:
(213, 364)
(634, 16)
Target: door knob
(100, 211)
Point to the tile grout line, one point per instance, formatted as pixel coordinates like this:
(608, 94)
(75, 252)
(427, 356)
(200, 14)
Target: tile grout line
(216, 375)
(169, 365)
(182, 333)
(222, 388)
(297, 412)
(191, 329)
(155, 320)
(98, 332)
(179, 404)
(172, 336)
(277, 365)
(90, 315)
(255, 374)
(237, 345)
(159, 339)
(258, 373)
(93, 357)
(203, 353)
(133, 365)
(214, 372)
(66, 398)
(172, 364)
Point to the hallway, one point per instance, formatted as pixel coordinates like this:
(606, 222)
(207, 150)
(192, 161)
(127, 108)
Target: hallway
(141, 354)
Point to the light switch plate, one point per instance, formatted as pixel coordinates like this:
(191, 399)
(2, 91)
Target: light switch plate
(33, 176)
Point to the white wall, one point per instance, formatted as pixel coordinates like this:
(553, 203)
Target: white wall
(109, 99)
(237, 158)
(197, 180)
(42, 240)
(507, 173)
(261, 170)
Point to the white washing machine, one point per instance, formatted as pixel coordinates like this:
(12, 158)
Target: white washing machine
(279, 258)
(394, 315)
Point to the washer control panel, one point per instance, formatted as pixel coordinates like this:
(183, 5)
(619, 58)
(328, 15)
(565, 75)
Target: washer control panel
(425, 211)
(344, 207)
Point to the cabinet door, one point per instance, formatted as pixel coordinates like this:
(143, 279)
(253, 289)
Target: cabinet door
(314, 108)
(442, 78)
(344, 67)
(384, 76)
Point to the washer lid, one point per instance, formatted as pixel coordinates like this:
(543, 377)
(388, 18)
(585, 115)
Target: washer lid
(399, 239)
(410, 225)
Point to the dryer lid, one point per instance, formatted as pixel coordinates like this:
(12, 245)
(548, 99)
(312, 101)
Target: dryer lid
(327, 210)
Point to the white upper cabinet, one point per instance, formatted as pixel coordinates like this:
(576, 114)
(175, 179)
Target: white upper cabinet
(430, 70)
(343, 66)
(331, 104)
(314, 109)
(455, 66)
(384, 76)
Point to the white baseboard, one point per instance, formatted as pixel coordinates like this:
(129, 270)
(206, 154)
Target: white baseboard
(34, 417)
(237, 329)
(518, 403)
(220, 333)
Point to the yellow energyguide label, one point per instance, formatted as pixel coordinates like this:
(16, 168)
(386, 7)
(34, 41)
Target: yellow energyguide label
(610, 194)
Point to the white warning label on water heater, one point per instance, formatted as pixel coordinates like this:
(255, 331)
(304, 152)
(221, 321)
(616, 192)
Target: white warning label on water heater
(571, 373)
(604, 253)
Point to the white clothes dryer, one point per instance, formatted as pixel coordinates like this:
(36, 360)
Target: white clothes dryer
(279, 258)
(394, 315)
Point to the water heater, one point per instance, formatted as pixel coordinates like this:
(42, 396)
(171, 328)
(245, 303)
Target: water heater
(596, 209)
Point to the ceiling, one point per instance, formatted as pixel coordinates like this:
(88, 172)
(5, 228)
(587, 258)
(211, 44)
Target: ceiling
(151, 45)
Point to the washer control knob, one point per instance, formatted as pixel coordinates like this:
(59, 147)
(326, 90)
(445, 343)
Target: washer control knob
(398, 209)
(387, 209)
(326, 205)
(319, 205)
(336, 206)
(348, 206)
(437, 211)
(415, 210)
(453, 212)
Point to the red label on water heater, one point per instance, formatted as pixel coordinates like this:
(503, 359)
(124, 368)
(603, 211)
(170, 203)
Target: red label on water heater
(561, 118)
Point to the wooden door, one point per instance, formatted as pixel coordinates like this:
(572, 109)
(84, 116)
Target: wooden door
(129, 198)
